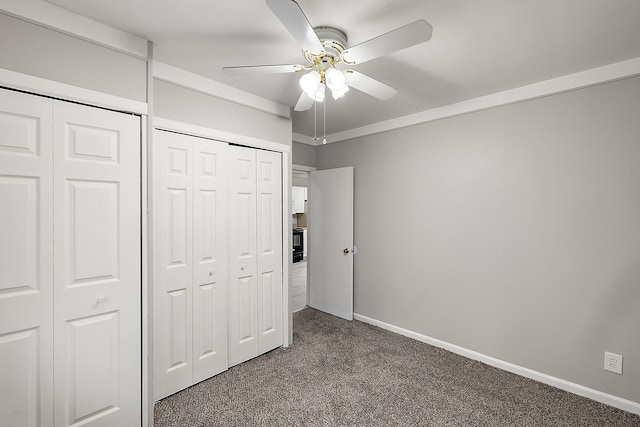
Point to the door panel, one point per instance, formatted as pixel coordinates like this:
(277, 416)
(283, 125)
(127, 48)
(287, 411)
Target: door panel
(331, 241)
(269, 249)
(173, 270)
(93, 342)
(97, 266)
(210, 355)
(243, 291)
(26, 259)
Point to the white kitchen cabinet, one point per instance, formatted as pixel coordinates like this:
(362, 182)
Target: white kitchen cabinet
(299, 196)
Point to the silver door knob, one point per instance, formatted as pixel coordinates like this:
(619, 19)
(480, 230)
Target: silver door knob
(345, 251)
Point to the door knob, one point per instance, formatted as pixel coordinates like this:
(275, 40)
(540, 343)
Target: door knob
(345, 251)
(101, 299)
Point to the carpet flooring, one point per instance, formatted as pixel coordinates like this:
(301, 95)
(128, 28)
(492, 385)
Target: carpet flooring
(341, 373)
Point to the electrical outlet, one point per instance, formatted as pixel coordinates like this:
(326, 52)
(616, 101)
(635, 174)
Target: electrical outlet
(613, 362)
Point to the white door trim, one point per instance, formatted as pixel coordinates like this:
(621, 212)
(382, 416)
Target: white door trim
(49, 88)
(65, 92)
(219, 135)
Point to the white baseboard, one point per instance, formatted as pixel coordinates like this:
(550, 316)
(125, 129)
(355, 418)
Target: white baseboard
(608, 399)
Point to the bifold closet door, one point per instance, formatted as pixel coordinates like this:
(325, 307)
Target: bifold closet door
(190, 261)
(269, 249)
(255, 247)
(97, 267)
(26, 260)
(70, 326)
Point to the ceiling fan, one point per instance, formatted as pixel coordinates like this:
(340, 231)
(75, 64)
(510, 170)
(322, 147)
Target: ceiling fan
(326, 47)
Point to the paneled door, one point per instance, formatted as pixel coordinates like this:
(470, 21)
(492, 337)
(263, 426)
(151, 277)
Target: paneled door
(243, 263)
(173, 268)
(190, 260)
(269, 249)
(70, 324)
(255, 247)
(331, 242)
(210, 259)
(97, 267)
(26, 260)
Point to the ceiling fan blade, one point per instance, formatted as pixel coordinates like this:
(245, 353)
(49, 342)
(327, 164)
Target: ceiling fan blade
(251, 70)
(369, 85)
(295, 21)
(400, 38)
(304, 103)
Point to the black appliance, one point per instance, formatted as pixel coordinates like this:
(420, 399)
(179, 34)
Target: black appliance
(298, 244)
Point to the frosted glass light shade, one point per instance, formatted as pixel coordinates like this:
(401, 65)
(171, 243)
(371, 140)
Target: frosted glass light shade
(339, 91)
(318, 94)
(310, 81)
(335, 79)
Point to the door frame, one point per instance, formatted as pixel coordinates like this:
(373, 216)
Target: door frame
(305, 169)
(39, 86)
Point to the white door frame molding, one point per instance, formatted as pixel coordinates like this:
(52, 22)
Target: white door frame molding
(53, 89)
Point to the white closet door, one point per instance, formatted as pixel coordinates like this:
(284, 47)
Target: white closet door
(173, 269)
(243, 290)
(26, 260)
(209, 259)
(269, 249)
(97, 267)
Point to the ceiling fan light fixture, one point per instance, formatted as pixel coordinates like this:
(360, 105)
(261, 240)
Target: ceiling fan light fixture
(334, 78)
(310, 81)
(339, 91)
(317, 94)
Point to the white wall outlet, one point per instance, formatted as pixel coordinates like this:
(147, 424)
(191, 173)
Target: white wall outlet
(613, 362)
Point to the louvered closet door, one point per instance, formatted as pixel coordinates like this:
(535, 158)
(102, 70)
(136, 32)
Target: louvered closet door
(269, 249)
(26, 260)
(97, 333)
(243, 282)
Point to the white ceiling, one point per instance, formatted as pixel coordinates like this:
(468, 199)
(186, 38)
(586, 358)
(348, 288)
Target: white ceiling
(478, 47)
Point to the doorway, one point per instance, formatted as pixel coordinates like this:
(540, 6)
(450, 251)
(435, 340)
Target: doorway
(300, 234)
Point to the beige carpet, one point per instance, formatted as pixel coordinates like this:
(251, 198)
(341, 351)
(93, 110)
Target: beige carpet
(341, 373)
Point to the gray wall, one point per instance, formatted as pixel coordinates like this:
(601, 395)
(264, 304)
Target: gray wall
(31, 49)
(514, 231)
(186, 105)
(303, 154)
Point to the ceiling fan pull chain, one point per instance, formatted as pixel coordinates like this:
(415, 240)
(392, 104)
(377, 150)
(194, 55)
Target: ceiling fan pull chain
(324, 126)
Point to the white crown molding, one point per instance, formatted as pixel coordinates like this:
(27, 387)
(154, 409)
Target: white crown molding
(304, 139)
(59, 19)
(219, 135)
(607, 73)
(599, 396)
(40, 86)
(190, 80)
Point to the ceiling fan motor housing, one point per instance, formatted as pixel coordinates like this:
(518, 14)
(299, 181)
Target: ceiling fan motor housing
(333, 40)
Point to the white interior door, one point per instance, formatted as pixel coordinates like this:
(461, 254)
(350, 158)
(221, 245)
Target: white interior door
(269, 249)
(243, 283)
(330, 225)
(210, 259)
(97, 274)
(26, 260)
(173, 269)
